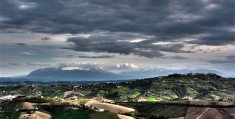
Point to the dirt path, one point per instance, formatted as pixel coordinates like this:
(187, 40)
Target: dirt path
(202, 113)
(194, 112)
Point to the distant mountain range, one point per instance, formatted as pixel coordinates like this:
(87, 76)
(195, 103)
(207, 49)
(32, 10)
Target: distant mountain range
(63, 74)
(96, 74)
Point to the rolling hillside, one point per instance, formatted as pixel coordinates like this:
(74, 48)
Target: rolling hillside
(172, 87)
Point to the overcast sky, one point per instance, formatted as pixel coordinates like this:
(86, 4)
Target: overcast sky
(141, 34)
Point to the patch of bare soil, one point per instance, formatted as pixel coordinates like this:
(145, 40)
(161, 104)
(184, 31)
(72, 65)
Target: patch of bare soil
(125, 117)
(210, 113)
(28, 105)
(109, 107)
(35, 115)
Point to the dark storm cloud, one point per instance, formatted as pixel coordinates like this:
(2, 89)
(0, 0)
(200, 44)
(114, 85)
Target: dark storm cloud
(69, 55)
(13, 64)
(226, 59)
(21, 44)
(38, 64)
(209, 22)
(10, 64)
(23, 64)
(176, 57)
(97, 57)
(45, 38)
(215, 38)
(122, 43)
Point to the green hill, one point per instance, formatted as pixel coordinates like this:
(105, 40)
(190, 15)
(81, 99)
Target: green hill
(172, 87)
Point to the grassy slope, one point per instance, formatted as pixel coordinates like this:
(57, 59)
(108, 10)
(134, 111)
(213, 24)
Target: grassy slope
(103, 115)
(170, 87)
(10, 115)
(73, 114)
